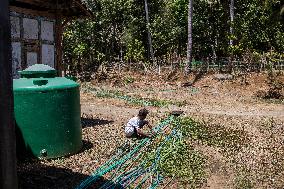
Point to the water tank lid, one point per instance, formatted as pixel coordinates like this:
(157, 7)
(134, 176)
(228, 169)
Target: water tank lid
(38, 69)
(43, 84)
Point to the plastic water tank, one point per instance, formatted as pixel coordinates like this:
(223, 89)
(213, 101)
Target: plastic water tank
(47, 113)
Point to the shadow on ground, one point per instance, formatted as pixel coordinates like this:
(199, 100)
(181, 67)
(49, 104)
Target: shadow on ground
(38, 176)
(34, 175)
(90, 121)
(87, 145)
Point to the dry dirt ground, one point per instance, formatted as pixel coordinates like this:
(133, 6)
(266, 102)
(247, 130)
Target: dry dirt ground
(228, 105)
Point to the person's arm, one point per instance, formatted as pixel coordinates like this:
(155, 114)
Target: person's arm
(141, 133)
(150, 127)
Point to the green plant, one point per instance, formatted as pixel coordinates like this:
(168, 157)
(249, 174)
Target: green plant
(178, 159)
(242, 180)
(128, 80)
(135, 51)
(181, 161)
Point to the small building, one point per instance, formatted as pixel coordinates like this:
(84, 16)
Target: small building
(36, 30)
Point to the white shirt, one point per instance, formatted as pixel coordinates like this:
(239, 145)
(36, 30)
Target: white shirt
(134, 122)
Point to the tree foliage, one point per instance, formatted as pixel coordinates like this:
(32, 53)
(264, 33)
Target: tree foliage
(118, 31)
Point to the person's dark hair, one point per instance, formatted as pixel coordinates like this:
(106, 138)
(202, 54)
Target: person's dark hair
(143, 112)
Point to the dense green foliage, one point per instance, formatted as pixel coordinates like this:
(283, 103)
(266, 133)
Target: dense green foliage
(118, 31)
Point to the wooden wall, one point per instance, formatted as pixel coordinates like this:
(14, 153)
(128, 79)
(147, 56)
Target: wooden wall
(35, 39)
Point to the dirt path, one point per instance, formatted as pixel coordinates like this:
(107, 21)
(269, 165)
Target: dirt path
(240, 110)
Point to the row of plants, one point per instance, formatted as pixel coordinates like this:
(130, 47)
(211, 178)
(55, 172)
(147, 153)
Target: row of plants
(135, 100)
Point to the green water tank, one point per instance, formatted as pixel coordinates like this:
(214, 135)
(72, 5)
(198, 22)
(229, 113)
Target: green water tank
(47, 113)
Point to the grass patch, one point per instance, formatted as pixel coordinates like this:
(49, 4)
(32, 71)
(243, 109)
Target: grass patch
(228, 140)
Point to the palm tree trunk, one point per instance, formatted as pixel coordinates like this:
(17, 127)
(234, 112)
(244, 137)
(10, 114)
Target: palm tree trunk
(8, 173)
(150, 45)
(189, 44)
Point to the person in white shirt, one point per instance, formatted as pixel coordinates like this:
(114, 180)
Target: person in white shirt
(133, 128)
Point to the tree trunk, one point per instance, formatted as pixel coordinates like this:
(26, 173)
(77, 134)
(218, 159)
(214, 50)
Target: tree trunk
(232, 16)
(189, 44)
(8, 173)
(150, 45)
(231, 42)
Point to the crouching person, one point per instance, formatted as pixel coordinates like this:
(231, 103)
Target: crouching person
(134, 127)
